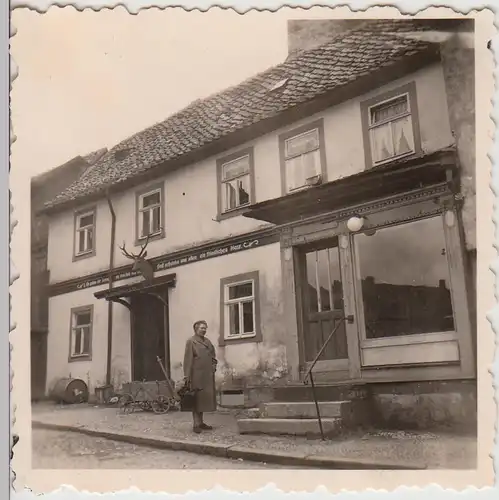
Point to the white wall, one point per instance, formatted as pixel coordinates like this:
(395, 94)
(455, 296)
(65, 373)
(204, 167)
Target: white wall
(196, 296)
(191, 193)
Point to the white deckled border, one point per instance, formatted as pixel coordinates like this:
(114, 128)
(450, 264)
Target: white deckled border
(409, 7)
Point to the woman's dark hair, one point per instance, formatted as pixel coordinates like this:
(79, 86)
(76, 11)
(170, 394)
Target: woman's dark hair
(200, 322)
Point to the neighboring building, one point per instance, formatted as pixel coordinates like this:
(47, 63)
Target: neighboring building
(338, 183)
(44, 188)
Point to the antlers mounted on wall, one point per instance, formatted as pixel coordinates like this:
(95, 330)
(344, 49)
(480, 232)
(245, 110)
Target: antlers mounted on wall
(139, 260)
(136, 257)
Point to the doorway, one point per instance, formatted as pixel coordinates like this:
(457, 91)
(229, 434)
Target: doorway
(150, 336)
(38, 364)
(323, 306)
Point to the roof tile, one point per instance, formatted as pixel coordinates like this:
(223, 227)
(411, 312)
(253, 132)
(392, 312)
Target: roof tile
(309, 74)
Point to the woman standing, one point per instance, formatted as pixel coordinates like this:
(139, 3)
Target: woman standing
(200, 364)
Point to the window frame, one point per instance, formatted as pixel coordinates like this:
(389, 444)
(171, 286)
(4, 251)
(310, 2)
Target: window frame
(225, 284)
(292, 134)
(139, 195)
(408, 339)
(76, 230)
(408, 89)
(75, 311)
(221, 162)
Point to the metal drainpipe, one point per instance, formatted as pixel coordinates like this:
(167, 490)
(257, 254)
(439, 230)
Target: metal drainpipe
(110, 302)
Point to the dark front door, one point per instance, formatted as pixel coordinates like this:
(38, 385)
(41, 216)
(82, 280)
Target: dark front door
(323, 306)
(38, 364)
(149, 337)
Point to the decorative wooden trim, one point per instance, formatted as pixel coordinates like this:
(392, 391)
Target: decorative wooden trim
(409, 88)
(77, 213)
(349, 304)
(460, 305)
(209, 250)
(249, 152)
(149, 188)
(254, 276)
(73, 311)
(293, 311)
(317, 124)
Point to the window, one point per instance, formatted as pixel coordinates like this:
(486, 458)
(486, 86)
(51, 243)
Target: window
(235, 183)
(405, 281)
(240, 308)
(150, 212)
(85, 233)
(391, 126)
(303, 157)
(81, 332)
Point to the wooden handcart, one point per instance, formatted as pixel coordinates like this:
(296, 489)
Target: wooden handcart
(156, 396)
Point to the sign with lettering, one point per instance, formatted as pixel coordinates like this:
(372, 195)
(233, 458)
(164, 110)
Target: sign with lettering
(177, 259)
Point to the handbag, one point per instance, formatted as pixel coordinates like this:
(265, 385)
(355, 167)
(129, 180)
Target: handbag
(187, 399)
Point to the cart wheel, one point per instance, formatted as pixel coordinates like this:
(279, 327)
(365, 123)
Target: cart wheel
(161, 405)
(146, 406)
(126, 403)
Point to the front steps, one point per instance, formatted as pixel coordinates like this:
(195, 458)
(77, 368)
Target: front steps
(289, 426)
(299, 418)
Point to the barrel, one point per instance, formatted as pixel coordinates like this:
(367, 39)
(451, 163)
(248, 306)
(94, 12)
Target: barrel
(70, 391)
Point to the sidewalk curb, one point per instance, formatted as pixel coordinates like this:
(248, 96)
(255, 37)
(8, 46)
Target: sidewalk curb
(234, 452)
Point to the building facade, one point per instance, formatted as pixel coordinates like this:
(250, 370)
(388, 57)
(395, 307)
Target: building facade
(43, 189)
(348, 204)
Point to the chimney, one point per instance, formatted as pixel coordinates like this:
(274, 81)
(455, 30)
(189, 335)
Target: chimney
(306, 34)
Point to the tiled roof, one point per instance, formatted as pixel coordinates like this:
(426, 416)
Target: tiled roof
(305, 76)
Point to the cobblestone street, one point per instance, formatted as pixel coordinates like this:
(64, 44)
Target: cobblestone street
(437, 450)
(68, 450)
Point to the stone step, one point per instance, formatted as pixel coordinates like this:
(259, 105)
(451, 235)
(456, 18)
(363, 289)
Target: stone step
(328, 409)
(289, 426)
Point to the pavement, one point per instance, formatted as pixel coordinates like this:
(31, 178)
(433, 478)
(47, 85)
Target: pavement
(71, 450)
(173, 431)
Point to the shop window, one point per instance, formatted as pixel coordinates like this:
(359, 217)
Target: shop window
(404, 279)
(81, 333)
(150, 210)
(303, 161)
(240, 308)
(391, 126)
(235, 183)
(85, 233)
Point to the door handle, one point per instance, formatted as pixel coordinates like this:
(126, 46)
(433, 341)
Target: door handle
(350, 318)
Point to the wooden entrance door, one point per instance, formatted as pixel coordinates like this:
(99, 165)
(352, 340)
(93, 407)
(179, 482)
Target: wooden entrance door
(149, 337)
(323, 306)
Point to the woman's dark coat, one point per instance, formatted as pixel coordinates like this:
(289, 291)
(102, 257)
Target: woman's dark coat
(199, 367)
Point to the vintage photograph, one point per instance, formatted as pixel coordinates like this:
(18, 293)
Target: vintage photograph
(269, 261)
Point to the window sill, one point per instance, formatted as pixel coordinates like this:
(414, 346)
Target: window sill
(418, 338)
(82, 357)
(232, 213)
(82, 256)
(241, 340)
(391, 159)
(153, 237)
